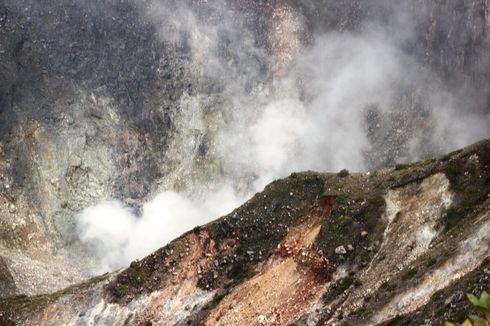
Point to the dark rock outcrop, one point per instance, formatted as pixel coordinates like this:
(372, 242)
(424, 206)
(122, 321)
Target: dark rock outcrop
(7, 283)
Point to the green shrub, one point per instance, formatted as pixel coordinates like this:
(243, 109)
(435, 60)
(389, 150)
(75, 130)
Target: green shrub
(342, 198)
(343, 173)
(402, 166)
(241, 271)
(409, 274)
(482, 305)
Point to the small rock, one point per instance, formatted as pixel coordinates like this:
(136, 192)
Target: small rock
(74, 161)
(350, 247)
(12, 209)
(340, 250)
(453, 299)
(261, 319)
(364, 234)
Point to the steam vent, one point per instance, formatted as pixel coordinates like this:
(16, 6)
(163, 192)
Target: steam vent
(245, 162)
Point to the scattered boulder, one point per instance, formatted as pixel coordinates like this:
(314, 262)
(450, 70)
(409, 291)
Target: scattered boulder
(340, 250)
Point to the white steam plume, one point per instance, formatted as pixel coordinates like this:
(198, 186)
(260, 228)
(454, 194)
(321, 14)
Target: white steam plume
(119, 236)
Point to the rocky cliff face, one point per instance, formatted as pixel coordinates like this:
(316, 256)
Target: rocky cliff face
(122, 99)
(391, 247)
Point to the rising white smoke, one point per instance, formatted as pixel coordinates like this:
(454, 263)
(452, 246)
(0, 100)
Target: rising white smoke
(309, 115)
(119, 236)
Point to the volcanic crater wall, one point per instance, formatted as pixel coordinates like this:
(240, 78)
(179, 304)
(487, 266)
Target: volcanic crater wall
(98, 100)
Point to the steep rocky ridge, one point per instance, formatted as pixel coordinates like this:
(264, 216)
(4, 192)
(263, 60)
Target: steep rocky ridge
(95, 103)
(389, 247)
